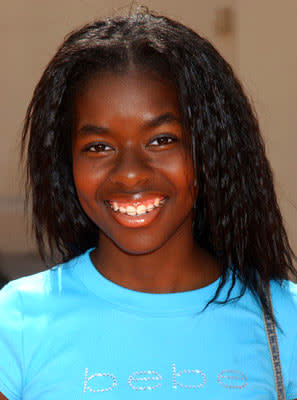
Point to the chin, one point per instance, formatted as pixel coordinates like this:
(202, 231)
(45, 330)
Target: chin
(141, 244)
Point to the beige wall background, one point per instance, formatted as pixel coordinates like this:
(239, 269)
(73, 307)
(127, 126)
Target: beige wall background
(257, 37)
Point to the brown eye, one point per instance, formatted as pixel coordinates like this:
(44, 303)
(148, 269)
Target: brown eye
(164, 140)
(97, 147)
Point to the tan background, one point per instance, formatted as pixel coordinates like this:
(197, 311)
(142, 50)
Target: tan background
(259, 41)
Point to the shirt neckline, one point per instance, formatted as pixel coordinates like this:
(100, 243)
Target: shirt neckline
(143, 302)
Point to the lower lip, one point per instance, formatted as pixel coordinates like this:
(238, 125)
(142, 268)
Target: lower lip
(136, 221)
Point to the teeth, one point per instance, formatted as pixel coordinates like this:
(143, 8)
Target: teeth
(131, 210)
(150, 207)
(140, 210)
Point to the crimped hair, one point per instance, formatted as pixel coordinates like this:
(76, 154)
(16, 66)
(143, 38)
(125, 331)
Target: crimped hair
(237, 217)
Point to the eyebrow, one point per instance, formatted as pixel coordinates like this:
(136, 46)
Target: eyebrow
(161, 119)
(149, 124)
(89, 128)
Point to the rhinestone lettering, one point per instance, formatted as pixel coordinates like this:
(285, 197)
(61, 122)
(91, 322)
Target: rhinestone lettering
(145, 376)
(232, 379)
(149, 380)
(99, 374)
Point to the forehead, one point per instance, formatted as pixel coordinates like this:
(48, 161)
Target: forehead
(132, 95)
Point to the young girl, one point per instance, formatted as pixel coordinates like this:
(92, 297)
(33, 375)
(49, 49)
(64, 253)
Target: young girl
(148, 175)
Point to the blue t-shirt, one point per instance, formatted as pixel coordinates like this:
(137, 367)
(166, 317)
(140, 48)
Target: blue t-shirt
(70, 333)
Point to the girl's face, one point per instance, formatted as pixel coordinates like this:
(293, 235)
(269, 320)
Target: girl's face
(127, 147)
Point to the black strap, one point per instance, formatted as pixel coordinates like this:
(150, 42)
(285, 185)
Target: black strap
(274, 351)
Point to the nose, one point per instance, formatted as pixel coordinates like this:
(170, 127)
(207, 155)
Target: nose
(131, 169)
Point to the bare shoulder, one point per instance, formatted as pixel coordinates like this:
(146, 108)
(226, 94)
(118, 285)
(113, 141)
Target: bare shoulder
(2, 397)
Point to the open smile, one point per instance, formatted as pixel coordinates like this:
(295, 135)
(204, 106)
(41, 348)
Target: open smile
(146, 216)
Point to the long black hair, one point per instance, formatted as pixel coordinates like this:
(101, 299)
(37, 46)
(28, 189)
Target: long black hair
(237, 216)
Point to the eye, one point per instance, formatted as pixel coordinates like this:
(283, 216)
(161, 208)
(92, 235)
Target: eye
(163, 140)
(96, 147)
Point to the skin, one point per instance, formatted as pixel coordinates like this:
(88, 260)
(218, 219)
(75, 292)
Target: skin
(161, 257)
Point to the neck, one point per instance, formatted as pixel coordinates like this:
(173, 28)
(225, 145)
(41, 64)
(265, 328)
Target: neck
(179, 265)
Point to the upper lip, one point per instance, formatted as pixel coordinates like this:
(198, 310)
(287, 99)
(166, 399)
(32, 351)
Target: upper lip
(138, 197)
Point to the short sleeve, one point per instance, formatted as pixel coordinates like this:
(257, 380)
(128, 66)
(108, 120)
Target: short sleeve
(11, 349)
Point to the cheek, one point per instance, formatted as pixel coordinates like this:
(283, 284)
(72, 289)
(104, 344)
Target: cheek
(185, 176)
(181, 170)
(85, 178)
